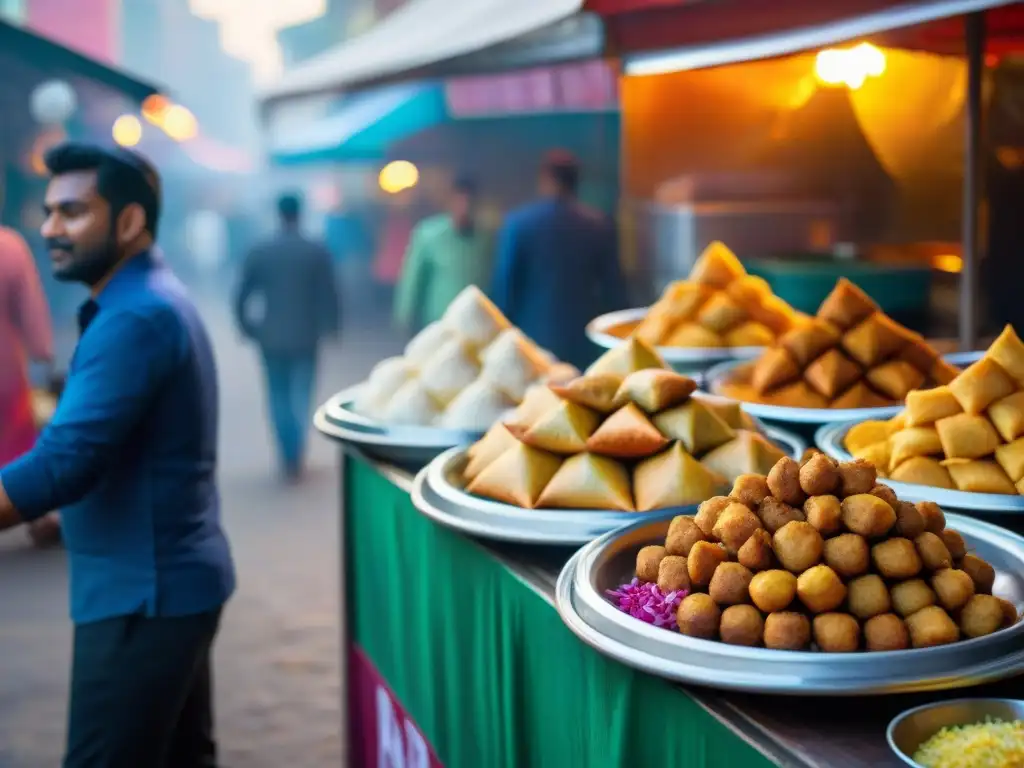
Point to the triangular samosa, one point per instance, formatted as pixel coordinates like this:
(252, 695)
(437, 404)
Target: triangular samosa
(563, 429)
(586, 481)
(695, 425)
(627, 434)
(631, 355)
(717, 266)
(449, 371)
(487, 449)
(517, 477)
(412, 404)
(512, 362)
(476, 407)
(595, 391)
(674, 478)
(475, 317)
(749, 453)
(654, 389)
(846, 305)
(538, 400)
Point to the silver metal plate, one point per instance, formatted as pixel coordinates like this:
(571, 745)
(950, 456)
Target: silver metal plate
(610, 561)
(406, 445)
(909, 730)
(439, 493)
(681, 358)
(830, 439)
(716, 377)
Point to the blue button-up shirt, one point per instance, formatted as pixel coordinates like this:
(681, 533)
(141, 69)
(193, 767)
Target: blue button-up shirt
(131, 453)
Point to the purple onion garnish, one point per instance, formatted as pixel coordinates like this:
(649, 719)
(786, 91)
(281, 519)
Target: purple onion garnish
(645, 601)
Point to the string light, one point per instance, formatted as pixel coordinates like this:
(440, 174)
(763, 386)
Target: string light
(127, 130)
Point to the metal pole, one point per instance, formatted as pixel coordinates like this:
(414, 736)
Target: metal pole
(973, 179)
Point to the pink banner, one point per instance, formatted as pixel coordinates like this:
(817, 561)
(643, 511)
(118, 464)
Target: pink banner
(382, 733)
(87, 26)
(586, 87)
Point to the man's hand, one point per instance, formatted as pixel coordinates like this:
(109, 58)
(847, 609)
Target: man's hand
(9, 516)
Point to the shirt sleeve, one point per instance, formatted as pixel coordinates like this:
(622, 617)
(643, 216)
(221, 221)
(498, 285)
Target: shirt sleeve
(120, 365)
(247, 286)
(31, 311)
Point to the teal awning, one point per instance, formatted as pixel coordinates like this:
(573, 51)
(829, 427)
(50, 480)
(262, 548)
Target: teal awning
(360, 126)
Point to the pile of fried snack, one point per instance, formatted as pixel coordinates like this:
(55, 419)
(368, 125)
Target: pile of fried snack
(627, 436)
(850, 355)
(967, 435)
(463, 372)
(718, 305)
(819, 555)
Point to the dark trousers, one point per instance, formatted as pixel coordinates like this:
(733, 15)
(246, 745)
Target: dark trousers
(290, 383)
(142, 693)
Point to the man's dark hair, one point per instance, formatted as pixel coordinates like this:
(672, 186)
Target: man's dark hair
(289, 207)
(564, 170)
(123, 177)
(465, 185)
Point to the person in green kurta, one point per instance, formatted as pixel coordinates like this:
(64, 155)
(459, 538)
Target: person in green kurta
(447, 252)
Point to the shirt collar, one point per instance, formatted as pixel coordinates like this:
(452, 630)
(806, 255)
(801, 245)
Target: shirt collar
(129, 273)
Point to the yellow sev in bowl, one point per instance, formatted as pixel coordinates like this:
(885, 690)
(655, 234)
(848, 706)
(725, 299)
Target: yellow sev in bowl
(991, 744)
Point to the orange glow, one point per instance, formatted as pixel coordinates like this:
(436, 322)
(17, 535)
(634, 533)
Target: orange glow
(179, 123)
(947, 262)
(155, 107)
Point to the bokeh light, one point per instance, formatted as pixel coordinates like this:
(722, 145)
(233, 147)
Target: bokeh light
(155, 107)
(179, 123)
(397, 176)
(127, 130)
(850, 67)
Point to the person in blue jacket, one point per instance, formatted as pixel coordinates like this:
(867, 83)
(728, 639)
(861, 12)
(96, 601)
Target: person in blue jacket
(558, 265)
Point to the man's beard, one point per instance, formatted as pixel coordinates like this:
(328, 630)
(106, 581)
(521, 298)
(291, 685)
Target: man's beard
(83, 265)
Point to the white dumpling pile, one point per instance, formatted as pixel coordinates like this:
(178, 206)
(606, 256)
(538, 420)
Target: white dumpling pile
(466, 371)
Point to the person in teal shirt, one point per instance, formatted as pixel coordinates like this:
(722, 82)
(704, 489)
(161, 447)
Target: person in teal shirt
(447, 252)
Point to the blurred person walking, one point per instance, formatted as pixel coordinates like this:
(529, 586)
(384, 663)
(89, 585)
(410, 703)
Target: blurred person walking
(558, 265)
(446, 253)
(292, 278)
(130, 458)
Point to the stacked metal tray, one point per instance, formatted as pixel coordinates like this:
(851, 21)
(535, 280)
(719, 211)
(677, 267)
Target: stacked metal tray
(831, 438)
(439, 493)
(403, 445)
(609, 561)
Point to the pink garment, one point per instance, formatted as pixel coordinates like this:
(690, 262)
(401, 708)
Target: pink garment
(387, 264)
(25, 333)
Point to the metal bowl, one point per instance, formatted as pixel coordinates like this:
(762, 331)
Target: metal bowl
(909, 730)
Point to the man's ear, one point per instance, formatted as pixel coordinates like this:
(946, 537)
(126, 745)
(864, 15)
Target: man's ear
(131, 224)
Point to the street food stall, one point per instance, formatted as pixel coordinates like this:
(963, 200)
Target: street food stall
(612, 567)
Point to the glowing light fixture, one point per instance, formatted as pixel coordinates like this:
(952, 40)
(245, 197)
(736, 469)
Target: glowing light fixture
(155, 107)
(398, 175)
(850, 67)
(947, 262)
(179, 123)
(127, 130)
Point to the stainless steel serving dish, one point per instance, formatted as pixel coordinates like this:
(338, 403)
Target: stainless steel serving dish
(830, 439)
(610, 560)
(404, 445)
(439, 493)
(909, 730)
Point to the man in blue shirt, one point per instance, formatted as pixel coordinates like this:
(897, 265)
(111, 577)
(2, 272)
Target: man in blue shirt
(130, 459)
(558, 265)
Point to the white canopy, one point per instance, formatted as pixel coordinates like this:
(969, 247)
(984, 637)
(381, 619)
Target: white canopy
(420, 33)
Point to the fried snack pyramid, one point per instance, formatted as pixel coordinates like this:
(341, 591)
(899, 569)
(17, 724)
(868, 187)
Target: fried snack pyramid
(634, 441)
(463, 372)
(819, 556)
(850, 355)
(967, 435)
(719, 305)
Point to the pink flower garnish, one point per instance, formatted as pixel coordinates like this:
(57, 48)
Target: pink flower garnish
(645, 601)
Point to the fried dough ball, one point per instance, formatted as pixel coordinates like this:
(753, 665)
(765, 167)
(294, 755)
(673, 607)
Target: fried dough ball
(735, 525)
(702, 561)
(931, 626)
(787, 631)
(672, 574)
(836, 632)
(820, 589)
(825, 513)
(750, 489)
(886, 494)
(698, 616)
(683, 533)
(730, 584)
(868, 515)
(808, 454)
(775, 514)
(896, 558)
(909, 521)
(647, 561)
(868, 596)
(933, 551)
(756, 552)
(954, 543)
(934, 517)
(886, 632)
(982, 616)
(741, 625)
(773, 591)
(847, 554)
(708, 512)
(784, 482)
(953, 588)
(1009, 612)
(819, 475)
(909, 597)
(798, 546)
(856, 477)
(983, 574)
